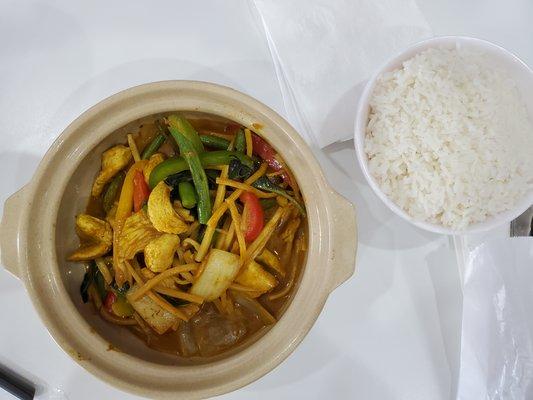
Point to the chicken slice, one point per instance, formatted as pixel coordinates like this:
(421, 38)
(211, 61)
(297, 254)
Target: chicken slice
(113, 161)
(96, 236)
(162, 213)
(135, 235)
(159, 253)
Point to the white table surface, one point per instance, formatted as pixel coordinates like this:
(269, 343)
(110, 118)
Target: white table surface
(391, 332)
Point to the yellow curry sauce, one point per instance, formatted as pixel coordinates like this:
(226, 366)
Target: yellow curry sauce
(228, 321)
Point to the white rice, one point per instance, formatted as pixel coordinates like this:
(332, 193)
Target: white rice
(449, 139)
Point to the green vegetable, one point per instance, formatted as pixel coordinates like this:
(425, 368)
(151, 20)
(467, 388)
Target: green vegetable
(240, 142)
(208, 159)
(175, 179)
(153, 146)
(100, 284)
(212, 175)
(201, 233)
(190, 146)
(267, 203)
(111, 192)
(185, 176)
(88, 279)
(187, 194)
(187, 131)
(215, 142)
(239, 171)
(265, 184)
(92, 277)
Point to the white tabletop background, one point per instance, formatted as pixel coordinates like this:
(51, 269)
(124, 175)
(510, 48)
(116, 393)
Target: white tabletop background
(391, 332)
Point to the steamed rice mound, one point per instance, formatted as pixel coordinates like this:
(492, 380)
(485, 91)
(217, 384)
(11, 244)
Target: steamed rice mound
(449, 139)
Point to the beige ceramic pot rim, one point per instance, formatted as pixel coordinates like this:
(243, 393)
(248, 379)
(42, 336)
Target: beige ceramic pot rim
(28, 243)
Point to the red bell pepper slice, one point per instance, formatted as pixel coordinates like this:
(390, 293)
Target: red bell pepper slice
(110, 298)
(253, 217)
(141, 191)
(267, 153)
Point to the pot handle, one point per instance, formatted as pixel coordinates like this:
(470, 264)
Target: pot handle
(9, 232)
(343, 239)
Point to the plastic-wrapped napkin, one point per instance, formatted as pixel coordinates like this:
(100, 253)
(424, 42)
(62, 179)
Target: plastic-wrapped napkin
(326, 49)
(497, 331)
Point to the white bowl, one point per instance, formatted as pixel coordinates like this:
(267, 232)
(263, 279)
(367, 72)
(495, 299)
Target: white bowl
(497, 57)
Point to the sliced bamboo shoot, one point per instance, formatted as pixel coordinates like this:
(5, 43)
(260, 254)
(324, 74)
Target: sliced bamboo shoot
(219, 271)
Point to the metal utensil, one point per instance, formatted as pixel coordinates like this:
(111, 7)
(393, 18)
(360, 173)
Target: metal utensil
(522, 226)
(16, 384)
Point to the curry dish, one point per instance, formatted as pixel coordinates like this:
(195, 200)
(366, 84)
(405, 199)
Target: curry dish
(194, 235)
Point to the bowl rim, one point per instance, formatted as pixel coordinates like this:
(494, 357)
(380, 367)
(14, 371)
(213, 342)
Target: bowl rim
(42, 241)
(362, 118)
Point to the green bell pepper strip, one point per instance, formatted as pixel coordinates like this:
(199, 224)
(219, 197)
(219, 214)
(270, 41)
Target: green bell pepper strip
(188, 140)
(187, 194)
(215, 142)
(207, 159)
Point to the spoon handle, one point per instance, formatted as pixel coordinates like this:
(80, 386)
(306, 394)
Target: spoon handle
(16, 385)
